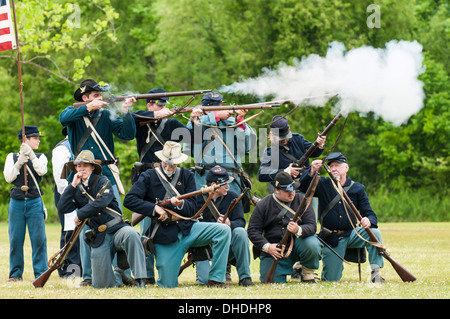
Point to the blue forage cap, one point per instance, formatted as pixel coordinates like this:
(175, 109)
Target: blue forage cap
(30, 131)
(336, 157)
(280, 127)
(212, 99)
(218, 174)
(158, 100)
(284, 181)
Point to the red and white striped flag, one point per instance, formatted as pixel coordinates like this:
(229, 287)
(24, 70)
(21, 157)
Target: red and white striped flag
(7, 38)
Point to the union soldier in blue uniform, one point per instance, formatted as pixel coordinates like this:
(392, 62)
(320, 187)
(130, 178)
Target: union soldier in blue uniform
(172, 237)
(336, 227)
(222, 198)
(213, 128)
(271, 218)
(150, 138)
(26, 208)
(92, 196)
(285, 148)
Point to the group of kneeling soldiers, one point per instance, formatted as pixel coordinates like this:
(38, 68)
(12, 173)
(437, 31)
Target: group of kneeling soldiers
(169, 232)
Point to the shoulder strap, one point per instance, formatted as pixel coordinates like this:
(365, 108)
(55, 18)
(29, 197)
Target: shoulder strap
(169, 186)
(87, 133)
(156, 137)
(333, 203)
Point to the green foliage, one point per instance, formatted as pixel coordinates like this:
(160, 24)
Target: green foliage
(188, 45)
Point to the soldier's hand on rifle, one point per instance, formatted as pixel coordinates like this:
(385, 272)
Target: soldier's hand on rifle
(293, 171)
(127, 103)
(77, 221)
(163, 113)
(161, 212)
(274, 251)
(315, 166)
(176, 202)
(293, 227)
(240, 114)
(226, 222)
(321, 141)
(196, 113)
(365, 223)
(95, 105)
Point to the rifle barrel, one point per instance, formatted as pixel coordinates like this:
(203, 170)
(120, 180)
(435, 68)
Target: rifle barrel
(145, 96)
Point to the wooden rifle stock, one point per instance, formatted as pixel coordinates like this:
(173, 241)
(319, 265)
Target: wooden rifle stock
(284, 241)
(301, 162)
(114, 98)
(136, 217)
(403, 273)
(56, 262)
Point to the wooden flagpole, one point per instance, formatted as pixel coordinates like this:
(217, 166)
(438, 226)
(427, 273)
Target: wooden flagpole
(19, 66)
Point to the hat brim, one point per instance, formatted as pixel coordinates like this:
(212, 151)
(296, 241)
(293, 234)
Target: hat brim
(296, 185)
(78, 96)
(175, 160)
(97, 168)
(283, 137)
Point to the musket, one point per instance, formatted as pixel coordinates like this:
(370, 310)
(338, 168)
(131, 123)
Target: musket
(404, 274)
(114, 98)
(284, 241)
(56, 262)
(188, 109)
(233, 204)
(301, 162)
(136, 217)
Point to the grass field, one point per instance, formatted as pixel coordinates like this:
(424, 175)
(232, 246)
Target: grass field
(422, 248)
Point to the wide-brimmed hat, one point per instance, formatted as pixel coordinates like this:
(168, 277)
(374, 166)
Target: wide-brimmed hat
(163, 100)
(284, 181)
(85, 156)
(171, 153)
(280, 128)
(30, 131)
(89, 85)
(218, 174)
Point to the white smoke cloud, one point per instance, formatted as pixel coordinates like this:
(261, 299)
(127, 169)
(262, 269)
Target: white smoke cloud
(384, 81)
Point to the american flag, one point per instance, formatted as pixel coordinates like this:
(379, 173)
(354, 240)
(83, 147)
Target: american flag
(7, 39)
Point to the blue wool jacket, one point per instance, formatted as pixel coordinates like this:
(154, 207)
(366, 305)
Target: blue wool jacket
(109, 123)
(73, 199)
(336, 218)
(274, 161)
(173, 130)
(148, 189)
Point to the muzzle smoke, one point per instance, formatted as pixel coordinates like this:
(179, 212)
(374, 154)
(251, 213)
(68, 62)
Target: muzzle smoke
(367, 79)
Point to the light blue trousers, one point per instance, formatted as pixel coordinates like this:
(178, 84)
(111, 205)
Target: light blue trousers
(22, 214)
(170, 256)
(239, 249)
(306, 250)
(333, 265)
(126, 239)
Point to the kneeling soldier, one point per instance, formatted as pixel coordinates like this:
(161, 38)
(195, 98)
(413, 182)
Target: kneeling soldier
(271, 218)
(172, 236)
(93, 196)
(221, 201)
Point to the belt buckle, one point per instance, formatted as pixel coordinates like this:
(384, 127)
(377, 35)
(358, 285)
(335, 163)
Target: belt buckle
(24, 188)
(101, 228)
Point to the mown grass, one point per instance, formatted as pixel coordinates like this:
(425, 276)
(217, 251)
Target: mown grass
(422, 248)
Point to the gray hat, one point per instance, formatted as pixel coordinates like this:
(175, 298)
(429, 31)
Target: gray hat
(85, 156)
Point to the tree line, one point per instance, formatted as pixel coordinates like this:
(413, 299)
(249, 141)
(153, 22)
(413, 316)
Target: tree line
(188, 45)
